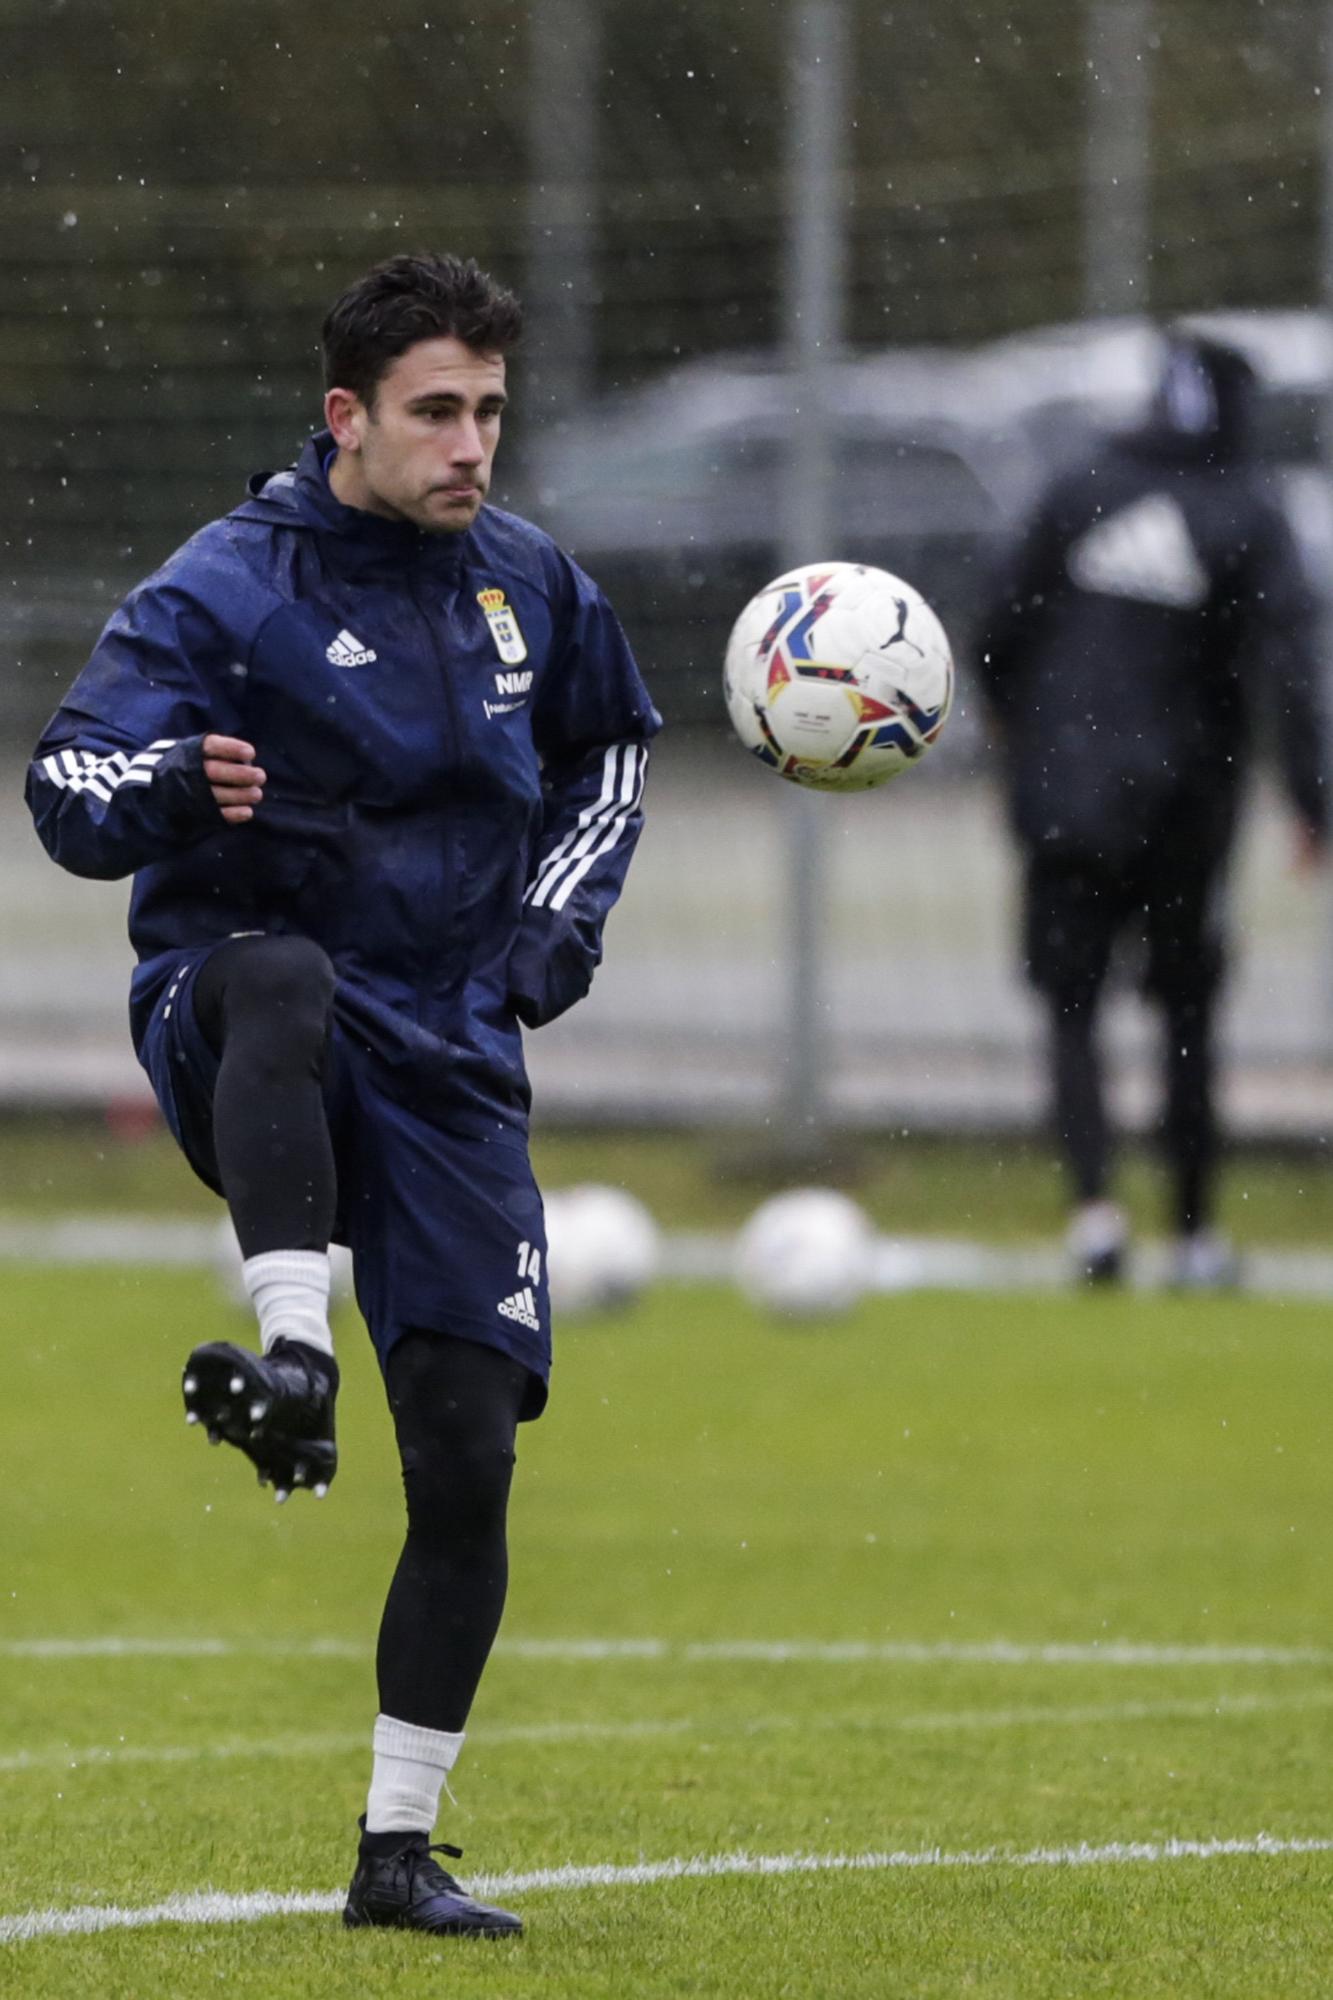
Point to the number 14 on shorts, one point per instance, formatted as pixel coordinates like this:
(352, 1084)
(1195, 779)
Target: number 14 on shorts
(530, 1263)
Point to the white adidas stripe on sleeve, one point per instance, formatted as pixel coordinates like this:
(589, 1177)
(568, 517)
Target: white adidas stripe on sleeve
(68, 774)
(631, 791)
(539, 887)
(80, 771)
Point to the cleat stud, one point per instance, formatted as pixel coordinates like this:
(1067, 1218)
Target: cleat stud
(298, 1475)
(192, 1416)
(321, 1490)
(215, 1437)
(263, 1479)
(190, 1384)
(280, 1495)
(257, 1411)
(236, 1384)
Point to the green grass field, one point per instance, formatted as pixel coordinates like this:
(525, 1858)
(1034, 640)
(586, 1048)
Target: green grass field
(942, 1472)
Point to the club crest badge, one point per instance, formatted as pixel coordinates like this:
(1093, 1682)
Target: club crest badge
(509, 641)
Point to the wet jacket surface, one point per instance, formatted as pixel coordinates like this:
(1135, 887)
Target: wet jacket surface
(454, 733)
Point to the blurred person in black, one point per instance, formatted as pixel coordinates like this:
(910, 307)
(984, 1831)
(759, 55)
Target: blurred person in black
(1151, 621)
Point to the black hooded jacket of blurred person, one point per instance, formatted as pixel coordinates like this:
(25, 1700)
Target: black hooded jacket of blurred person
(1152, 624)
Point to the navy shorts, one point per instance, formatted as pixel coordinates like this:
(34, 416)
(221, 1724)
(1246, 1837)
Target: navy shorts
(446, 1230)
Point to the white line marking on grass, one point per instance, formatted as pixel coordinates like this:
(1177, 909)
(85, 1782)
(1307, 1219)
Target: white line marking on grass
(95, 1755)
(706, 1866)
(1218, 1708)
(115, 1649)
(61, 1758)
(1129, 1711)
(774, 1652)
(215, 1907)
(578, 1650)
(209, 1907)
(1002, 1653)
(572, 1732)
(130, 1648)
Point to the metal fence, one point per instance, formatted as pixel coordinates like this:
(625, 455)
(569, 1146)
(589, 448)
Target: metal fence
(922, 1021)
(190, 184)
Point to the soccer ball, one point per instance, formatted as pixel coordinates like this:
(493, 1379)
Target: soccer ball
(602, 1248)
(838, 676)
(808, 1253)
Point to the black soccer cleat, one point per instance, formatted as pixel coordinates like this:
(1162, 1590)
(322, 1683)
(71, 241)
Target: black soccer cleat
(408, 1890)
(277, 1408)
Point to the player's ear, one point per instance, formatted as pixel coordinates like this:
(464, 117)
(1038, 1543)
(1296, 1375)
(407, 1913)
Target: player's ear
(346, 416)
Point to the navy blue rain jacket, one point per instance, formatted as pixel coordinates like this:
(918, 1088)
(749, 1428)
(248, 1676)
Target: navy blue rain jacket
(454, 732)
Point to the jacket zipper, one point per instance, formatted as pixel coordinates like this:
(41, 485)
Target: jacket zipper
(424, 991)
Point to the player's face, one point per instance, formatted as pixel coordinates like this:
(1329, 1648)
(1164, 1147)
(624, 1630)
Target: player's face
(422, 451)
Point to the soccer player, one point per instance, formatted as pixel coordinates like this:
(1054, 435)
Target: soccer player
(1151, 620)
(374, 754)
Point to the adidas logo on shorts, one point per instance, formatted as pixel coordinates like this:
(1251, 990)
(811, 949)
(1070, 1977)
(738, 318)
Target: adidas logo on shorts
(520, 1306)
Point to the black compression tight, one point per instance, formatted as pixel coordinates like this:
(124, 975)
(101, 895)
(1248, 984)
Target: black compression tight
(455, 1406)
(264, 1004)
(1080, 1113)
(1189, 1123)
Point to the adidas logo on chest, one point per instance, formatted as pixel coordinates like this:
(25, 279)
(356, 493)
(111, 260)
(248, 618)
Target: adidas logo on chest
(1144, 551)
(348, 651)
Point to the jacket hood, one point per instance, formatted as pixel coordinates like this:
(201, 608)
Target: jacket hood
(300, 497)
(1203, 407)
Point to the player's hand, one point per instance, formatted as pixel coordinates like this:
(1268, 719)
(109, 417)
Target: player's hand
(236, 780)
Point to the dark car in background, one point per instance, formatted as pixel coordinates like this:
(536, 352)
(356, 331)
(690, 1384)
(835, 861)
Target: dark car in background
(671, 494)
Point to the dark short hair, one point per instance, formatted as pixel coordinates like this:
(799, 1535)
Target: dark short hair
(410, 298)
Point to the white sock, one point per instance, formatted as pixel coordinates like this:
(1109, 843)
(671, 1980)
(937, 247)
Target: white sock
(409, 1773)
(289, 1290)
